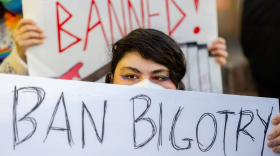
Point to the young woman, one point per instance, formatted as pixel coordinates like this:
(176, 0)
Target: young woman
(145, 57)
(149, 58)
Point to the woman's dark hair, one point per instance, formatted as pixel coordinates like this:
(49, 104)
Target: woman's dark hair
(153, 45)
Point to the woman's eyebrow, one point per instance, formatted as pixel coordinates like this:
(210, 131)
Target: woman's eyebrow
(131, 68)
(159, 71)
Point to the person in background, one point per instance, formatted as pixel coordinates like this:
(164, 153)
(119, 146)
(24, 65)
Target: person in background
(260, 40)
(14, 6)
(28, 34)
(2, 11)
(10, 15)
(25, 35)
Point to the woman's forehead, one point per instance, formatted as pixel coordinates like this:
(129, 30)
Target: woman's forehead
(135, 60)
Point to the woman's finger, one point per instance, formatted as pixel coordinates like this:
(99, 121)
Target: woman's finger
(276, 149)
(30, 42)
(222, 61)
(274, 134)
(25, 22)
(30, 35)
(221, 53)
(220, 40)
(274, 142)
(276, 119)
(27, 28)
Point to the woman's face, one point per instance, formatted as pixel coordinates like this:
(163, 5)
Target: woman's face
(133, 68)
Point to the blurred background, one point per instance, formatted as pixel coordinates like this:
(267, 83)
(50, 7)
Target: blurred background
(237, 76)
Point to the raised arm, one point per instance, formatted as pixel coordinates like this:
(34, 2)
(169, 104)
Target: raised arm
(25, 35)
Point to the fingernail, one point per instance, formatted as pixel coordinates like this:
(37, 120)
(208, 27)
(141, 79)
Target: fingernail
(274, 149)
(269, 137)
(270, 144)
(274, 122)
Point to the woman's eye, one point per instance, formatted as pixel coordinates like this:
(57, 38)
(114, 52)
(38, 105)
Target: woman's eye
(130, 77)
(159, 78)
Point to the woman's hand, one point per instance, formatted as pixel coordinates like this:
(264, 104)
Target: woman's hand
(274, 136)
(27, 34)
(219, 49)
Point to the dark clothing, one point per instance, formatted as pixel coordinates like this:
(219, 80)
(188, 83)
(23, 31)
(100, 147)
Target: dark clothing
(2, 10)
(261, 43)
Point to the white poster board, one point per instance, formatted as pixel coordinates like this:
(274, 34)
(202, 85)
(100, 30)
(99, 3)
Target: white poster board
(80, 32)
(47, 117)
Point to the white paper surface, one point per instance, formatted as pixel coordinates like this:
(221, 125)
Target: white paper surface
(67, 21)
(204, 68)
(175, 115)
(216, 81)
(193, 67)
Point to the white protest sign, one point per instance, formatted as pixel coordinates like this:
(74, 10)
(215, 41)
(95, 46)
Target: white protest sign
(43, 117)
(79, 33)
